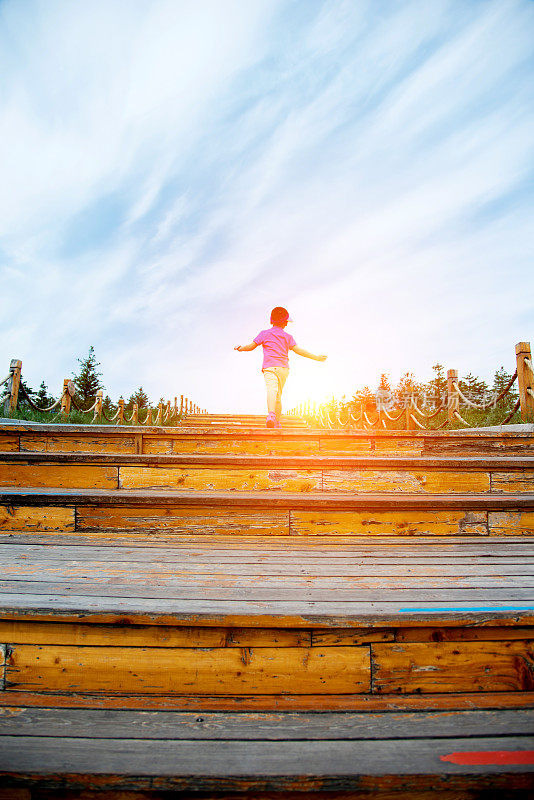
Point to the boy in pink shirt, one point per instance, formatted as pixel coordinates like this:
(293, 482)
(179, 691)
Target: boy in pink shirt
(276, 343)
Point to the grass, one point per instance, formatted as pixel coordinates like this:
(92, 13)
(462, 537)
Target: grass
(26, 414)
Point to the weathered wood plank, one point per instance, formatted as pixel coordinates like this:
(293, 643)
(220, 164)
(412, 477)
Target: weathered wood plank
(463, 634)
(387, 523)
(263, 670)
(432, 481)
(278, 702)
(9, 443)
(517, 481)
(501, 523)
(162, 757)
(98, 724)
(453, 666)
(232, 445)
(197, 520)
(220, 479)
(66, 476)
(87, 442)
(51, 633)
(40, 518)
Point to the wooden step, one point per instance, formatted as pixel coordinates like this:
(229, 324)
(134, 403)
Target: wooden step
(465, 753)
(149, 512)
(234, 440)
(361, 474)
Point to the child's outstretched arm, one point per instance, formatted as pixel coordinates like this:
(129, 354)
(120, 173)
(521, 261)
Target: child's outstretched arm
(300, 352)
(244, 347)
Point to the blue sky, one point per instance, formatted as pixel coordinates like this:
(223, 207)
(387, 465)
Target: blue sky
(170, 170)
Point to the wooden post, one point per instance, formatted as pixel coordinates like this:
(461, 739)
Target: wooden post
(13, 384)
(453, 399)
(175, 408)
(190, 406)
(121, 411)
(181, 404)
(98, 406)
(149, 417)
(135, 414)
(159, 417)
(525, 380)
(65, 398)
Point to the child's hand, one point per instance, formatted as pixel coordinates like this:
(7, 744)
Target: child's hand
(238, 347)
(322, 358)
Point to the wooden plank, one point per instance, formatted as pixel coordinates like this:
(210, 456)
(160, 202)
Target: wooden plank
(358, 757)
(462, 634)
(278, 702)
(197, 520)
(388, 523)
(431, 481)
(86, 442)
(453, 666)
(147, 725)
(260, 613)
(51, 633)
(220, 479)
(231, 445)
(517, 481)
(501, 523)
(202, 591)
(41, 518)
(262, 670)
(9, 443)
(348, 637)
(66, 476)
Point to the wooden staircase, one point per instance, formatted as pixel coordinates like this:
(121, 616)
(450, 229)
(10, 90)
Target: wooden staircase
(218, 609)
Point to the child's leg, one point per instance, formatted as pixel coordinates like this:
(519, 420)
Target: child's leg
(282, 373)
(271, 384)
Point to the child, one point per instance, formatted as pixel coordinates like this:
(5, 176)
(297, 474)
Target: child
(276, 343)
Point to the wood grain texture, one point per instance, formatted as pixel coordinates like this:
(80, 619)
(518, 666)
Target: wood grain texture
(195, 520)
(453, 667)
(89, 442)
(218, 671)
(388, 523)
(66, 476)
(220, 479)
(186, 758)
(9, 443)
(517, 481)
(512, 523)
(463, 634)
(50, 633)
(247, 446)
(28, 518)
(432, 481)
(98, 724)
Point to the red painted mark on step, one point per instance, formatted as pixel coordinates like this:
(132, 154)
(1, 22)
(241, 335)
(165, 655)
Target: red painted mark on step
(491, 757)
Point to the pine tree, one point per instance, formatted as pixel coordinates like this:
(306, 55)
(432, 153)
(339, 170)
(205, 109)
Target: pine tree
(384, 384)
(88, 381)
(42, 397)
(140, 397)
(437, 387)
(474, 388)
(407, 387)
(500, 380)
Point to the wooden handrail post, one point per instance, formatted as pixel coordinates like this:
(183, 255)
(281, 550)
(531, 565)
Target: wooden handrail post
(66, 398)
(525, 380)
(13, 384)
(190, 406)
(453, 399)
(98, 406)
(181, 404)
(410, 424)
(175, 408)
(159, 417)
(149, 417)
(120, 419)
(135, 414)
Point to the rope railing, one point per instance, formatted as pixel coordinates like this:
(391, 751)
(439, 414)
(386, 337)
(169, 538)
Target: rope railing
(167, 413)
(410, 416)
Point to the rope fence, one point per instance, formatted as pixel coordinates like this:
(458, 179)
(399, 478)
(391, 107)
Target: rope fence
(166, 413)
(411, 417)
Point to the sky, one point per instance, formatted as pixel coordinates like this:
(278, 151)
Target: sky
(170, 170)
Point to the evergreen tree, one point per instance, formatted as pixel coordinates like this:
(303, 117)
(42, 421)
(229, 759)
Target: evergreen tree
(87, 381)
(407, 387)
(474, 388)
(42, 398)
(500, 380)
(108, 406)
(140, 397)
(384, 384)
(437, 387)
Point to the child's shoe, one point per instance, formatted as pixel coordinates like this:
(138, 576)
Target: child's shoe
(271, 420)
(277, 424)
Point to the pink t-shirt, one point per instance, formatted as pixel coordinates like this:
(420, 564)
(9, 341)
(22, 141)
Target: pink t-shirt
(276, 343)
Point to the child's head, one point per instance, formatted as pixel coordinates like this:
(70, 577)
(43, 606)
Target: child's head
(279, 317)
